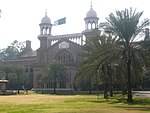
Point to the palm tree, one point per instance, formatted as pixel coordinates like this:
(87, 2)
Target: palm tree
(97, 58)
(125, 24)
(55, 72)
(86, 81)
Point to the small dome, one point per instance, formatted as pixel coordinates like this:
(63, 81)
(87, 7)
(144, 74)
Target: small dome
(91, 13)
(46, 19)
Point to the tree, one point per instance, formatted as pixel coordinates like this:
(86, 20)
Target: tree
(125, 24)
(29, 78)
(11, 52)
(20, 77)
(15, 76)
(97, 58)
(86, 82)
(56, 73)
(5, 71)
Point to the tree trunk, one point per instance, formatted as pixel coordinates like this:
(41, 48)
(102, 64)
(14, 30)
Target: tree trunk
(111, 90)
(111, 84)
(129, 81)
(18, 85)
(124, 89)
(105, 82)
(110, 74)
(55, 85)
(18, 91)
(106, 96)
(90, 86)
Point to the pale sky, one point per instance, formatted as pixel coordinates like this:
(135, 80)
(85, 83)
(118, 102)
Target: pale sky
(20, 19)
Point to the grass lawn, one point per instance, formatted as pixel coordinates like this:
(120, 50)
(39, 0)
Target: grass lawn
(38, 103)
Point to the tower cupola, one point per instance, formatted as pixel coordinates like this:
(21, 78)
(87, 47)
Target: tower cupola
(46, 19)
(91, 25)
(91, 13)
(45, 25)
(91, 19)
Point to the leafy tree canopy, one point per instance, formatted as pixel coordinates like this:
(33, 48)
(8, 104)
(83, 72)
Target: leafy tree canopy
(11, 52)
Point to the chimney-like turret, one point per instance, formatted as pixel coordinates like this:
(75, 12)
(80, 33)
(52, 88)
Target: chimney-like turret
(28, 45)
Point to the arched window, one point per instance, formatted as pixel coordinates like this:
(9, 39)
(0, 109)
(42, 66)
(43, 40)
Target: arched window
(89, 26)
(93, 25)
(65, 57)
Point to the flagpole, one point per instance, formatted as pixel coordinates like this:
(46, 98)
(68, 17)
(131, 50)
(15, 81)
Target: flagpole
(66, 27)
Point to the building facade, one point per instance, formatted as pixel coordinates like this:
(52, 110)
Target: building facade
(64, 48)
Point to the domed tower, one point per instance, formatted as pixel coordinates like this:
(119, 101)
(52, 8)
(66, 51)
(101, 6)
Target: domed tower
(91, 19)
(45, 32)
(91, 24)
(45, 25)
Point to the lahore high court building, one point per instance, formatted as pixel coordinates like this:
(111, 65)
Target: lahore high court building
(64, 48)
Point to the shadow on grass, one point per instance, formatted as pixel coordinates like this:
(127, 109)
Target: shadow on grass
(140, 108)
(136, 101)
(140, 104)
(98, 101)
